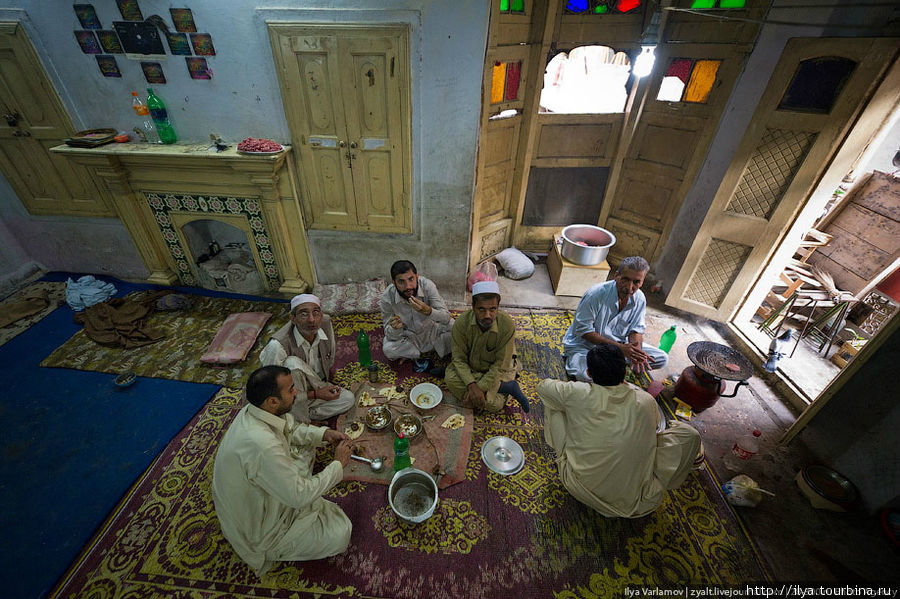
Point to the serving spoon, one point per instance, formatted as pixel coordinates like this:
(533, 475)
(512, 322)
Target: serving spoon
(376, 464)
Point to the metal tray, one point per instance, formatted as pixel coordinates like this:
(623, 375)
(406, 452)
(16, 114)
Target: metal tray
(503, 455)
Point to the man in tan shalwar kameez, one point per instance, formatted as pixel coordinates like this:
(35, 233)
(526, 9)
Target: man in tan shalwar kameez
(608, 452)
(268, 501)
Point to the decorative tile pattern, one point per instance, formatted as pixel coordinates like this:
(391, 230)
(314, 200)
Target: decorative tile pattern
(883, 309)
(208, 207)
(770, 171)
(493, 243)
(717, 269)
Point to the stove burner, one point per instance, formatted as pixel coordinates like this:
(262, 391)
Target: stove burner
(719, 361)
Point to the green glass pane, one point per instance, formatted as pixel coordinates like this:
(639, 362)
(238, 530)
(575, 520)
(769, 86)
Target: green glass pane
(504, 5)
(732, 3)
(703, 3)
(601, 9)
(518, 6)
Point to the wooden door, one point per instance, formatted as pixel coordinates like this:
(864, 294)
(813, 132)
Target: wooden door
(346, 96)
(813, 97)
(33, 120)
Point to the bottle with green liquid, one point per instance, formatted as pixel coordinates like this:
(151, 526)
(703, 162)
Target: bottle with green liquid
(401, 453)
(160, 118)
(667, 339)
(365, 354)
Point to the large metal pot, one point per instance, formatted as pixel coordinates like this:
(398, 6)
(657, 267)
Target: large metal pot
(598, 243)
(413, 495)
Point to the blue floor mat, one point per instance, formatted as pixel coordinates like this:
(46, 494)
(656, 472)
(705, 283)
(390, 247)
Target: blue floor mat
(72, 444)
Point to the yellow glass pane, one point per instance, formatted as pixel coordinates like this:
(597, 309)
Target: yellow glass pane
(498, 79)
(702, 78)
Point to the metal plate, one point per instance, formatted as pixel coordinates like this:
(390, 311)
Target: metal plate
(503, 455)
(378, 418)
(409, 424)
(831, 485)
(719, 361)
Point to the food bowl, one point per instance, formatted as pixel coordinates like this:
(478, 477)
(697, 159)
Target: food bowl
(827, 489)
(413, 495)
(126, 379)
(586, 245)
(378, 418)
(408, 424)
(426, 395)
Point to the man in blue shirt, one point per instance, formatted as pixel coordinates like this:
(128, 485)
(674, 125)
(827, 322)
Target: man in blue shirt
(613, 312)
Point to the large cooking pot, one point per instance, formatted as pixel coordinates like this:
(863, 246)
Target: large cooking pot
(413, 495)
(598, 243)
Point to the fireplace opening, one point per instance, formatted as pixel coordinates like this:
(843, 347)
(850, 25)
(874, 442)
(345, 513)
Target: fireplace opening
(222, 257)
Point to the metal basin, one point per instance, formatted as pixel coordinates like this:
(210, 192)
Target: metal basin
(413, 495)
(597, 240)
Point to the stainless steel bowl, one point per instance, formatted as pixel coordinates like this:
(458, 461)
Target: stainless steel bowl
(378, 418)
(598, 243)
(413, 495)
(409, 424)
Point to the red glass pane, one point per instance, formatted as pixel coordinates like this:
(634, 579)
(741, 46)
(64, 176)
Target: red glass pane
(681, 68)
(626, 5)
(513, 72)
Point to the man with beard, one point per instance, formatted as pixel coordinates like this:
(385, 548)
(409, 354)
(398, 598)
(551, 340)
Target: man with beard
(613, 312)
(305, 345)
(414, 315)
(268, 501)
(483, 370)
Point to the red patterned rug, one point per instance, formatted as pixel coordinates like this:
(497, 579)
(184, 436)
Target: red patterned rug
(491, 536)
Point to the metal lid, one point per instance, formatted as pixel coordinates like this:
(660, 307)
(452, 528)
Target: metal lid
(719, 360)
(503, 455)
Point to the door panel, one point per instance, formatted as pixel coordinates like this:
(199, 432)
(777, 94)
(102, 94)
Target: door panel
(780, 159)
(44, 182)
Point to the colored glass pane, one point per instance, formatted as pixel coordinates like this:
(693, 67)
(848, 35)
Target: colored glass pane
(703, 3)
(517, 6)
(731, 3)
(679, 67)
(498, 78)
(626, 5)
(702, 78)
(816, 84)
(577, 6)
(504, 5)
(513, 72)
(601, 9)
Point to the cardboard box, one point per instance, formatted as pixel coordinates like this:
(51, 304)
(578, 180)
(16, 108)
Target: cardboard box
(569, 278)
(844, 354)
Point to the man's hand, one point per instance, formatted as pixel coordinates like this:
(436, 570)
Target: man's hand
(640, 361)
(342, 452)
(396, 322)
(332, 436)
(419, 306)
(475, 396)
(328, 392)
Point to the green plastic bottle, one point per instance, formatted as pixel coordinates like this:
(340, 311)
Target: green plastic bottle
(160, 118)
(667, 339)
(365, 355)
(401, 453)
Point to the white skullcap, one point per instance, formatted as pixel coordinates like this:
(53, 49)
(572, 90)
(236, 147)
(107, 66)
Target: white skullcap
(304, 298)
(485, 287)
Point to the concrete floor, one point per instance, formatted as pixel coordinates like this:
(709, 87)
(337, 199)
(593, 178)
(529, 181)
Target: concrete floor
(797, 542)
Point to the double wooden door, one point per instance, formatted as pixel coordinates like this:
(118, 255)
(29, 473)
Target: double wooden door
(346, 96)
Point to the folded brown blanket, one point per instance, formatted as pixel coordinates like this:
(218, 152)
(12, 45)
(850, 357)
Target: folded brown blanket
(32, 302)
(121, 322)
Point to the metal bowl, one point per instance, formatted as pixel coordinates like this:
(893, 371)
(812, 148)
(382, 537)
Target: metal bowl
(598, 243)
(413, 495)
(426, 395)
(831, 485)
(126, 379)
(409, 424)
(378, 418)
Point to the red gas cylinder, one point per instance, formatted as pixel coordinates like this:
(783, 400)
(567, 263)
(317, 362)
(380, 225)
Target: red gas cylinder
(698, 389)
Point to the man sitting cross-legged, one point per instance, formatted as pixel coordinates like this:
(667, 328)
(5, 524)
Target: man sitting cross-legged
(608, 452)
(305, 346)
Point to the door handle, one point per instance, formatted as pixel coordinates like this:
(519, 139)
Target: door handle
(341, 143)
(353, 145)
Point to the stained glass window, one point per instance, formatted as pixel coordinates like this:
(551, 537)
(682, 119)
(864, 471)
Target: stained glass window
(512, 6)
(718, 3)
(505, 78)
(688, 80)
(816, 84)
(600, 7)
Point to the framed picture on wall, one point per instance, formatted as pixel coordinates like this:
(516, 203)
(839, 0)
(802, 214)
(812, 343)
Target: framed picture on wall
(108, 66)
(198, 68)
(88, 42)
(183, 19)
(153, 72)
(87, 16)
(179, 44)
(203, 45)
(109, 41)
(140, 40)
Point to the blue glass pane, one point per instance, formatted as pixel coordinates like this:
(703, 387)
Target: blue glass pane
(577, 5)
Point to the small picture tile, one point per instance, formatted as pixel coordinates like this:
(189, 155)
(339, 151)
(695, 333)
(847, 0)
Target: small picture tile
(130, 10)
(108, 66)
(88, 42)
(198, 68)
(153, 72)
(109, 41)
(183, 19)
(203, 45)
(179, 44)
(87, 16)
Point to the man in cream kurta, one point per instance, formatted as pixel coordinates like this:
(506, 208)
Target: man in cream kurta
(608, 452)
(414, 315)
(268, 502)
(305, 345)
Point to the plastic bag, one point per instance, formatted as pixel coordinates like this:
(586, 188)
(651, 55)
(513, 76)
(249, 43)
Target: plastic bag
(486, 271)
(743, 491)
(516, 265)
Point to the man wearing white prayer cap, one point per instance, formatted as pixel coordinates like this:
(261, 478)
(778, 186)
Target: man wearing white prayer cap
(305, 346)
(483, 370)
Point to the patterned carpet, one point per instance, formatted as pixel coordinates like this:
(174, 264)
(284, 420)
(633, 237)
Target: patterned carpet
(491, 536)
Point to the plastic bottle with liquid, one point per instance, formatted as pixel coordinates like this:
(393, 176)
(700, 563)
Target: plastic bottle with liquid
(401, 453)
(145, 123)
(362, 344)
(667, 339)
(160, 118)
(743, 449)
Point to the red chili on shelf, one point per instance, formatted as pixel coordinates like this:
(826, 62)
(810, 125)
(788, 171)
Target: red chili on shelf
(252, 144)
